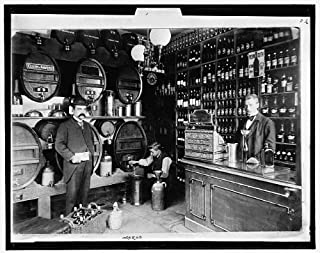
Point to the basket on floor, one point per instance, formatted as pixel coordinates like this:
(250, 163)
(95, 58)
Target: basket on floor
(86, 220)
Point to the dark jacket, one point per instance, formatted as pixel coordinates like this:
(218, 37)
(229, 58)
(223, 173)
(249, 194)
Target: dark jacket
(262, 131)
(157, 161)
(72, 139)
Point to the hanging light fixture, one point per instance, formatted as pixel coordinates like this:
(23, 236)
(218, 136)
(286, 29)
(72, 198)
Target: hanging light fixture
(137, 54)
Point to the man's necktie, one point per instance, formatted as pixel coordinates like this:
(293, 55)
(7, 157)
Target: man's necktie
(250, 118)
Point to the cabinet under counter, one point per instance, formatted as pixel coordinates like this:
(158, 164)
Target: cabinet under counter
(234, 197)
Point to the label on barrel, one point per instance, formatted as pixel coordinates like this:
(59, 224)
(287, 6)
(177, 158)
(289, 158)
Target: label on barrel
(38, 66)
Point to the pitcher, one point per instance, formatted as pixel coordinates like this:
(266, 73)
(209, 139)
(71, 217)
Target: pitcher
(232, 152)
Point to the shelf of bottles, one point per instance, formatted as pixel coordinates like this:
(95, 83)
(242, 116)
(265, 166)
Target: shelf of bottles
(279, 92)
(214, 72)
(166, 88)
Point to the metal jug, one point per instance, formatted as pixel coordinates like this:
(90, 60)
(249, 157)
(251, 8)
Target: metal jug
(158, 191)
(232, 152)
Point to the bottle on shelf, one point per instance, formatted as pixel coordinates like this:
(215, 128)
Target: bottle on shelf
(280, 59)
(289, 84)
(292, 134)
(17, 103)
(274, 60)
(293, 57)
(268, 156)
(286, 60)
(275, 86)
(283, 110)
(265, 107)
(268, 61)
(256, 66)
(281, 134)
(274, 108)
(269, 84)
(283, 86)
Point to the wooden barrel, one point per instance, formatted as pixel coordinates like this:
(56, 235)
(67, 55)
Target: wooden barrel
(45, 128)
(27, 156)
(65, 37)
(91, 80)
(40, 77)
(129, 40)
(111, 40)
(128, 85)
(98, 150)
(107, 127)
(129, 139)
(90, 39)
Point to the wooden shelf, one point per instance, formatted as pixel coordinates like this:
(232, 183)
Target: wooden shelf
(285, 163)
(92, 118)
(278, 93)
(282, 68)
(286, 143)
(280, 43)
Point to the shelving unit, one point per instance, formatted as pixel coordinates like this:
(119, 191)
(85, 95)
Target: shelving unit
(222, 79)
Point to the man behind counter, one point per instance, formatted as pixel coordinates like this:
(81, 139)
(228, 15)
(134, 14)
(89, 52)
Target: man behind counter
(74, 142)
(262, 129)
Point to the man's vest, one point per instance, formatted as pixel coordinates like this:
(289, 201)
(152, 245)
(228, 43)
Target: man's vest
(157, 161)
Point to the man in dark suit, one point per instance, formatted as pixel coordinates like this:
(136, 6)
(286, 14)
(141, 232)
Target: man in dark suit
(261, 129)
(74, 142)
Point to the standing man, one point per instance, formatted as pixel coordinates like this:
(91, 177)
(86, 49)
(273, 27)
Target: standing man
(74, 142)
(261, 129)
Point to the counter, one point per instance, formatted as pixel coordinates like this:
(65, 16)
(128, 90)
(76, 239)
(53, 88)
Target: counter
(227, 196)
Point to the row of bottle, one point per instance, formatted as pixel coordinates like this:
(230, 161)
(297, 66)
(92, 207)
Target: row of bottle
(280, 57)
(226, 107)
(245, 42)
(193, 38)
(226, 70)
(195, 77)
(274, 84)
(209, 51)
(285, 154)
(182, 118)
(194, 56)
(182, 60)
(276, 35)
(181, 80)
(286, 108)
(208, 74)
(165, 89)
(245, 88)
(285, 134)
(194, 98)
(226, 90)
(226, 126)
(180, 137)
(183, 99)
(225, 46)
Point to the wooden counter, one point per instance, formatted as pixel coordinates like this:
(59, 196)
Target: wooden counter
(236, 197)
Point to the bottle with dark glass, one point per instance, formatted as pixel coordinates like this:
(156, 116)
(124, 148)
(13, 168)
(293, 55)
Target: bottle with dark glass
(256, 66)
(274, 108)
(286, 60)
(268, 157)
(280, 59)
(17, 104)
(283, 86)
(289, 84)
(265, 107)
(292, 134)
(283, 110)
(281, 134)
(293, 57)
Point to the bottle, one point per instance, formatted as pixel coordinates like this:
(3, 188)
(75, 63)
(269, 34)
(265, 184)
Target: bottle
(241, 67)
(289, 84)
(292, 108)
(269, 84)
(274, 60)
(280, 59)
(265, 107)
(17, 104)
(275, 86)
(256, 66)
(286, 58)
(274, 108)
(283, 107)
(106, 165)
(293, 58)
(263, 85)
(281, 134)
(283, 86)
(50, 141)
(268, 155)
(268, 62)
(291, 135)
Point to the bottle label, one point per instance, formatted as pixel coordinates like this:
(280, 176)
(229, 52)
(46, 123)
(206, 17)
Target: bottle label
(268, 64)
(293, 59)
(286, 60)
(280, 137)
(291, 138)
(274, 62)
(283, 110)
(280, 61)
(274, 111)
(289, 86)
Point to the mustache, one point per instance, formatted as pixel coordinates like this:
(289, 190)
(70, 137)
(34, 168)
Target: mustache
(81, 114)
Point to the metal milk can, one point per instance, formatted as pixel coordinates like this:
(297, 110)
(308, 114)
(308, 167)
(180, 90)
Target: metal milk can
(158, 193)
